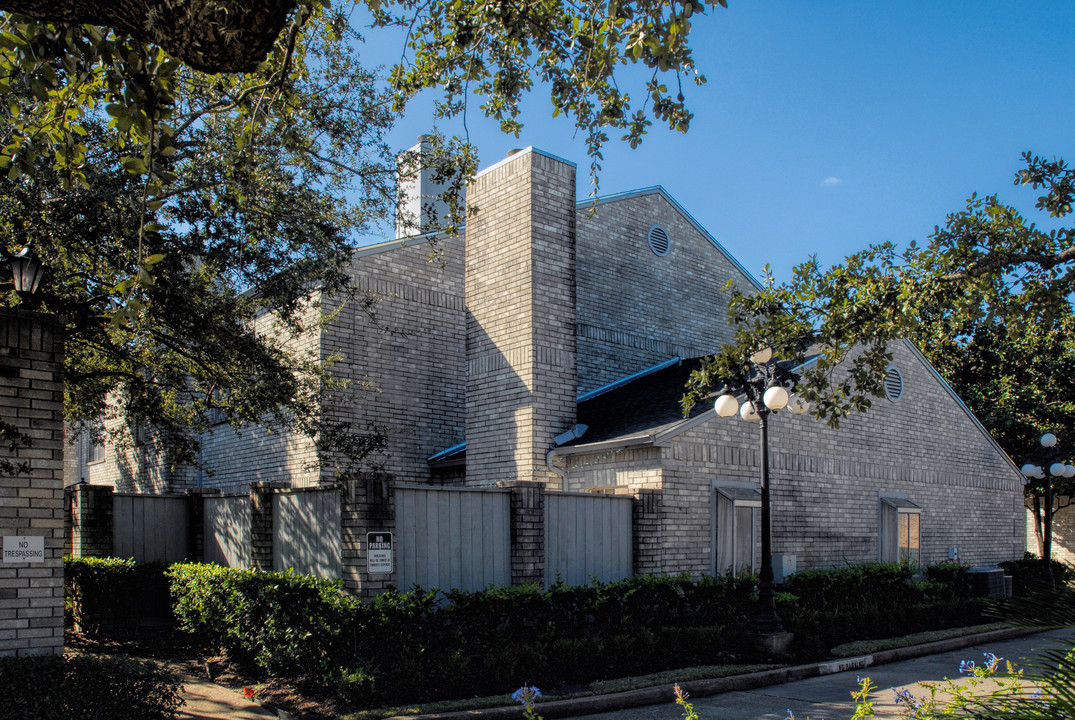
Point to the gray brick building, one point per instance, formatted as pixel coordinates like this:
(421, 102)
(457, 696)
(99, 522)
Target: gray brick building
(552, 343)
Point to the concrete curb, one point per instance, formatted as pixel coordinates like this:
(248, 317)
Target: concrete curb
(701, 688)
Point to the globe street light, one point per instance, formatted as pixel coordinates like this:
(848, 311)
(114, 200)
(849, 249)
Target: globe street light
(768, 388)
(1044, 464)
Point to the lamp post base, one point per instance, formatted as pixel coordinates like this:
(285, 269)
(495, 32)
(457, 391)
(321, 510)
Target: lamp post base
(776, 643)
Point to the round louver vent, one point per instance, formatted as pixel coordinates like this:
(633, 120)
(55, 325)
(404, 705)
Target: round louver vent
(658, 240)
(893, 383)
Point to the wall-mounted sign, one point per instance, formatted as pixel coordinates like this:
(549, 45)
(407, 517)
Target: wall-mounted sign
(24, 549)
(379, 552)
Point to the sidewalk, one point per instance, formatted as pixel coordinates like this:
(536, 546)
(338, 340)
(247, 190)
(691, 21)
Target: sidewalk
(819, 690)
(206, 700)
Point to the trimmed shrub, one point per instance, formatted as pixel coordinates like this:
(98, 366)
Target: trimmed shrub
(114, 596)
(1026, 574)
(86, 687)
(286, 623)
(825, 608)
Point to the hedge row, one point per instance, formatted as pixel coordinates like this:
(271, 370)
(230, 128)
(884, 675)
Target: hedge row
(86, 687)
(461, 643)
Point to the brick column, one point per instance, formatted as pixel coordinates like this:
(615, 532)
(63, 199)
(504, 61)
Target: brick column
(527, 532)
(522, 377)
(196, 521)
(367, 505)
(31, 500)
(261, 536)
(91, 520)
(646, 533)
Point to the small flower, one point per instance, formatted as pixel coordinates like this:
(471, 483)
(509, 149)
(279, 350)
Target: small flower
(791, 715)
(967, 666)
(248, 692)
(991, 661)
(526, 695)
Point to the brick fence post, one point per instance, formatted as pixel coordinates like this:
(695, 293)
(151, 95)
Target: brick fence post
(646, 532)
(366, 505)
(527, 531)
(196, 521)
(261, 535)
(90, 510)
(31, 499)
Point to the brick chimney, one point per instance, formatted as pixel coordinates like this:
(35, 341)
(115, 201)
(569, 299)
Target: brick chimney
(520, 296)
(419, 206)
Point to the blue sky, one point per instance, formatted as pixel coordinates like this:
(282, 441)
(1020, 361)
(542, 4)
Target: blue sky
(829, 125)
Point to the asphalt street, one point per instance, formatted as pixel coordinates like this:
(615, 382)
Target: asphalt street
(828, 697)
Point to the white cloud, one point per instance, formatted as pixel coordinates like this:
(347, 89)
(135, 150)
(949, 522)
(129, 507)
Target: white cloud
(832, 181)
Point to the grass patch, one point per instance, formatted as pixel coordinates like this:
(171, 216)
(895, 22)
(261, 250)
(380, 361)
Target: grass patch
(866, 647)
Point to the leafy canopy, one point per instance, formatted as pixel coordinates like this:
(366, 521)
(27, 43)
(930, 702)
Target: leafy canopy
(986, 277)
(177, 209)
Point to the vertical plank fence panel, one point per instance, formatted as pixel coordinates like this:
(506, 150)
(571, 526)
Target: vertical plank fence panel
(307, 527)
(587, 536)
(453, 538)
(150, 528)
(227, 524)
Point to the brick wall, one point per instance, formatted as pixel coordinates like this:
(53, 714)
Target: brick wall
(520, 300)
(825, 482)
(31, 505)
(636, 309)
(367, 505)
(1063, 534)
(402, 344)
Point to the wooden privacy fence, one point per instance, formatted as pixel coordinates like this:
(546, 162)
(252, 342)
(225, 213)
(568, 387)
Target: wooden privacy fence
(306, 532)
(587, 536)
(457, 538)
(151, 528)
(227, 528)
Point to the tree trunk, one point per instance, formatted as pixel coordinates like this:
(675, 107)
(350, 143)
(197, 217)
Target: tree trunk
(209, 35)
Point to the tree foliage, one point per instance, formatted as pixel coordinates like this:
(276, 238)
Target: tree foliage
(986, 270)
(175, 207)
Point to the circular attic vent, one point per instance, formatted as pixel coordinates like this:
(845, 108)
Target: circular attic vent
(658, 240)
(893, 383)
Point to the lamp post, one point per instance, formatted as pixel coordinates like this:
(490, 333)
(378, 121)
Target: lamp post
(1044, 464)
(767, 387)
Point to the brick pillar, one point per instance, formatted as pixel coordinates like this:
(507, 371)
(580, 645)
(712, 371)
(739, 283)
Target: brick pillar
(646, 532)
(527, 532)
(196, 521)
(522, 377)
(367, 505)
(91, 520)
(31, 499)
(261, 536)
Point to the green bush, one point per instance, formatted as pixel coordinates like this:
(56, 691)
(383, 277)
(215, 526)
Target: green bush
(1026, 574)
(86, 687)
(107, 596)
(288, 624)
(825, 608)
